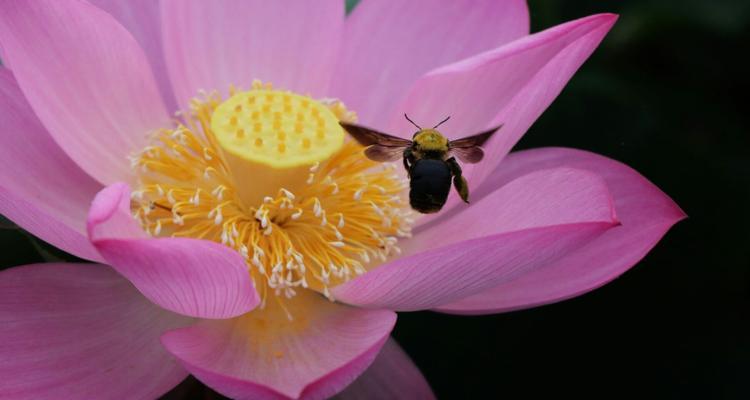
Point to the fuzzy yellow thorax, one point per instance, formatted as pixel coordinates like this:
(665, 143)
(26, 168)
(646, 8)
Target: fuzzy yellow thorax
(431, 140)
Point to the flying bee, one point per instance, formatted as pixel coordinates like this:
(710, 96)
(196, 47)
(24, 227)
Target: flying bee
(429, 159)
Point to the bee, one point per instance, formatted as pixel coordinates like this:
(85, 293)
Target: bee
(429, 159)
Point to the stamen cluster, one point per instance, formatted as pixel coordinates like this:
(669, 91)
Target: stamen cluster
(348, 213)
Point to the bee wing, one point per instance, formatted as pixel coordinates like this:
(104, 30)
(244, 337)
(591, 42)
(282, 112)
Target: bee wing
(384, 153)
(471, 155)
(468, 149)
(368, 137)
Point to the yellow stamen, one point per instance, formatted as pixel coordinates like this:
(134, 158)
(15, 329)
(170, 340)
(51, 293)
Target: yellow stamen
(304, 207)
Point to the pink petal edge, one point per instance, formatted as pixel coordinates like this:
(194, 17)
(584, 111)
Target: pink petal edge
(645, 212)
(510, 85)
(41, 189)
(197, 278)
(74, 331)
(391, 376)
(142, 18)
(546, 197)
(549, 218)
(388, 45)
(87, 80)
(254, 357)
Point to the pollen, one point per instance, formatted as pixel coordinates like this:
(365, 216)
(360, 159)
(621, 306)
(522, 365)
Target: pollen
(302, 204)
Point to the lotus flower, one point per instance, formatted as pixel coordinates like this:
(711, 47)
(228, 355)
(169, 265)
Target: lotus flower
(191, 151)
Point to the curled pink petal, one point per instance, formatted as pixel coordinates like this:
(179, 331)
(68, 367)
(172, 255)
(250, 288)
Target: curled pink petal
(192, 277)
(41, 189)
(143, 20)
(510, 85)
(87, 80)
(262, 355)
(645, 212)
(210, 45)
(110, 217)
(391, 376)
(388, 45)
(77, 331)
(549, 214)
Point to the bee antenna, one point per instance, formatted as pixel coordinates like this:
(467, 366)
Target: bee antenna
(412, 122)
(441, 122)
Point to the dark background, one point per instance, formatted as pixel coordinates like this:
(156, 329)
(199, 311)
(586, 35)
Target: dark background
(663, 95)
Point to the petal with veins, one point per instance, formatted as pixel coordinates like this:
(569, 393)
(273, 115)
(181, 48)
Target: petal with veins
(87, 80)
(540, 217)
(143, 20)
(263, 355)
(511, 85)
(193, 277)
(77, 331)
(211, 45)
(41, 189)
(391, 376)
(388, 45)
(645, 212)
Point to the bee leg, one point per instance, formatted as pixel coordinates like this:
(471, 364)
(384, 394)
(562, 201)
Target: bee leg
(459, 182)
(408, 160)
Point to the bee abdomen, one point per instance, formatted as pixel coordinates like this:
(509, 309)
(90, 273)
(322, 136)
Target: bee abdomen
(429, 186)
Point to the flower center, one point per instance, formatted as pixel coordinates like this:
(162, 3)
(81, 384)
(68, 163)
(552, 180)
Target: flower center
(270, 174)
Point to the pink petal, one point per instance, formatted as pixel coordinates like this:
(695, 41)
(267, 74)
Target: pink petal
(80, 331)
(197, 278)
(109, 216)
(87, 80)
(540, 217)
(388, 45)
(143, 20)
(546, 197)
(645, 212)
(391, 376)
(511, 85)
(41, 189)
(210, 45)
(262, 355)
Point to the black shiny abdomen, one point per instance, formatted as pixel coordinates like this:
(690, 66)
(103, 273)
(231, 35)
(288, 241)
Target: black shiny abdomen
(430, 184)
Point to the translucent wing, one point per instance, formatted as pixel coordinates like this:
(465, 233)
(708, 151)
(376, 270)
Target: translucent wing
(368, 137)
(474, 140)
(471, 155)
(468, 149)
(380, 153)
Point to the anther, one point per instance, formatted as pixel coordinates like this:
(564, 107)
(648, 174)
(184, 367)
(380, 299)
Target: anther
(280, 133)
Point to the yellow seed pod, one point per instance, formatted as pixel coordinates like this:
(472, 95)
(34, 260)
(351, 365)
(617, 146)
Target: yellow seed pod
(264, 117)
